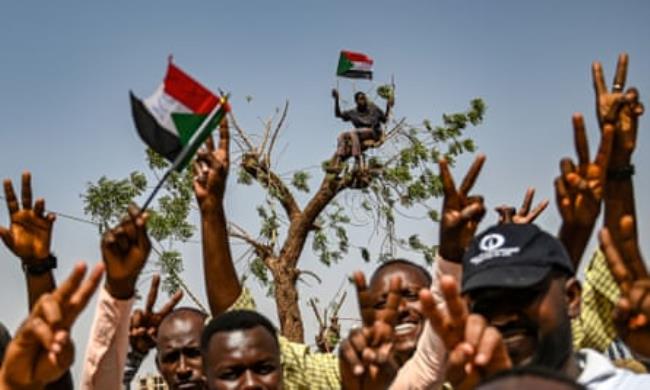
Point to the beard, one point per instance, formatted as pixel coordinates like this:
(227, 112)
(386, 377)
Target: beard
(555, 347)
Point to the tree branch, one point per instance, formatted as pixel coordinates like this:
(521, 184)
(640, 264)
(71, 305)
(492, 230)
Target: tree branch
(269, 180)
(276, 132)
(241, 132)
(262, 250)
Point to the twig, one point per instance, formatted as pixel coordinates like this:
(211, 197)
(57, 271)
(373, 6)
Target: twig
(275, 133)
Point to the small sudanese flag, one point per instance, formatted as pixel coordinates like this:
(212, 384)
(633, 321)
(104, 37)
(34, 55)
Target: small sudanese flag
(167, 120)
(354, 65)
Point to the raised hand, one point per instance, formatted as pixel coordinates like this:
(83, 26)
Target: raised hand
(42, 351)
(618, 108)
(144, 324)
(508, 214)
(30, 231)
(125, 250)
(579, 190)
(366, 355)
(211, 170)
(475, 349)
(632, 314)
(461, 213)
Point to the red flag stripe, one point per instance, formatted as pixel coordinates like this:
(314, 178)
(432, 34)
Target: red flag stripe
(357, 57)
(188, 91)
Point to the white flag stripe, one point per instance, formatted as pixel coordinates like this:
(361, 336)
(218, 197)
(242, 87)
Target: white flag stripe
(161, 106)
(364, 66)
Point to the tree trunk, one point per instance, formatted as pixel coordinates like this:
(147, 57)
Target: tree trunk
(286, 298)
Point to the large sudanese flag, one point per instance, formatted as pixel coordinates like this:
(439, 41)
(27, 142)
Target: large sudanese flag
(168, 120)
(354, 65)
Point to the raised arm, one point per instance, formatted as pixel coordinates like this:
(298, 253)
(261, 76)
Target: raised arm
(579, 189)
(620, 110)
(632, 313)
(337, 107)
(28, 237)
(461, 215)
(143, 329)
(125, 250)
(390, 102)
(210, 175)
(42, 350)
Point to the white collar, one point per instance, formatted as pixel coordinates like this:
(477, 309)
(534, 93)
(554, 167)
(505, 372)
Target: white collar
(597, 367)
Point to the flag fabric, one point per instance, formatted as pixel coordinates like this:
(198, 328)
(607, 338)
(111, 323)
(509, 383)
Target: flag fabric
(354, 65)
(168, 120)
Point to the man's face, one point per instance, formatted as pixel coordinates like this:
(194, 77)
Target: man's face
(361, 101)
(410, 321)
(179, 351)
(534, 321)
(243, 359)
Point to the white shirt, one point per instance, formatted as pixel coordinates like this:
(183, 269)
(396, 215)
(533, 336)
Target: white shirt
(600, 374)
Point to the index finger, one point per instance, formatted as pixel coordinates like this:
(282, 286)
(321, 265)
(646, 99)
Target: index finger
(455, 304)
(528, 200)
(26, 190)
(71, 284)
(630, 247)
(224, 138)
(393, 300)
(10, 195)
(81, 296)
(171, 304)
(448, 185)
(364, 298)
(598, 78)
(621, 73)
(580, 140)
(615, 262)
(472, 174)
(153, 294)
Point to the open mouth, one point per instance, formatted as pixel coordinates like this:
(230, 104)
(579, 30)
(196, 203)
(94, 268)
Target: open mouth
(521, 344)
(188, 385)
(405, 329)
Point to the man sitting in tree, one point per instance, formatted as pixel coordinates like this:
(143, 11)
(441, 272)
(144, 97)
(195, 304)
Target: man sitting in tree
(367, 119)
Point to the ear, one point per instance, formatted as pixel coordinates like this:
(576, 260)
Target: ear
(573, 295)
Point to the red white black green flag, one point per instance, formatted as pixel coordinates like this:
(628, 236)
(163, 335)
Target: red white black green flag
(168, 120)
(354, 65)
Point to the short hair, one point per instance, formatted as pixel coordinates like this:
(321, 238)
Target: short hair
(534, 371)
(405, 262)
(234, 320)
(185, 309)
(356, 95)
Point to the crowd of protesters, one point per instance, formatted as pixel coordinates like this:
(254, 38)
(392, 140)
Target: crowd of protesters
(501, 308)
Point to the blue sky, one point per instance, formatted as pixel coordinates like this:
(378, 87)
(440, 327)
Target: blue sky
(67, 67)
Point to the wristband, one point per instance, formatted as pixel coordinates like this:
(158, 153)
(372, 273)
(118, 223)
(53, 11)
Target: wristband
(40, 267)
(622, 173)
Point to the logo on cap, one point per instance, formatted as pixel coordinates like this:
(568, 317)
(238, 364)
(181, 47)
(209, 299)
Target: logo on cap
(492, 242)
(492, 247)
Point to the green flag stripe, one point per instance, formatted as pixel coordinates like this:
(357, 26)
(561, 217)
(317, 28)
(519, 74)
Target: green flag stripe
(216, 120)
(187, 124)
(344, 65)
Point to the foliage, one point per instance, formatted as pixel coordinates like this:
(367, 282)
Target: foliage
(106, 202)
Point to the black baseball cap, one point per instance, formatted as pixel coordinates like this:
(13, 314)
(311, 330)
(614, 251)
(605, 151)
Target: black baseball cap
(512, 256)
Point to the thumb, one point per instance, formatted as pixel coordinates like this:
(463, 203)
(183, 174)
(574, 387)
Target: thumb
(6, 236)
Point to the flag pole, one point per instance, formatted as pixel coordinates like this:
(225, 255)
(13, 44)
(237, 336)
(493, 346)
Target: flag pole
(186, 152)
